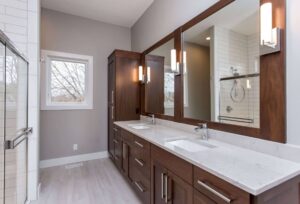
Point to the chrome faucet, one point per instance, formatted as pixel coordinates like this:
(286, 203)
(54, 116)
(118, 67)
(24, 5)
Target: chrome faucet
(203, 128)
(152, 118)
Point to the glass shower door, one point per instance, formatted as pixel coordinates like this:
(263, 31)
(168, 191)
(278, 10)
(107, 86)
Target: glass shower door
(2, 105)
(15, 128)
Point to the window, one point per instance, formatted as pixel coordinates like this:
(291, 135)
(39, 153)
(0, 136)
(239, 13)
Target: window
(67, 81)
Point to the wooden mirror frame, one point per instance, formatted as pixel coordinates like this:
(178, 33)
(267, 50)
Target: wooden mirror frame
(143, 92)
(272, 81)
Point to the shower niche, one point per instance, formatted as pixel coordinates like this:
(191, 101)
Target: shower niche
(221, 66)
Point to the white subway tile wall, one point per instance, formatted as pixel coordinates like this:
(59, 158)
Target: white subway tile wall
(237, 51)
(19, 20)
(13, 21)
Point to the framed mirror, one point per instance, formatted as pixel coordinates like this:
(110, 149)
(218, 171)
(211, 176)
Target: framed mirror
(221, 66)
(225, 78)
(160, 83)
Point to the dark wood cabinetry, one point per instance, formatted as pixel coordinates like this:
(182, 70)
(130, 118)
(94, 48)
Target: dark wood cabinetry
(200, 198)
(123, 92)
(160, 177)
(140, 168)
(126, 149)
(117, 140)
(218, 190)
(169, 187)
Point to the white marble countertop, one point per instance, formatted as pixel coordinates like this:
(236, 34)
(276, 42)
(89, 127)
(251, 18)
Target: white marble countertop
(254, 172)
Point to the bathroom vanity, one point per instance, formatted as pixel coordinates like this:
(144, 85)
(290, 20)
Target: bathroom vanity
(165, 164)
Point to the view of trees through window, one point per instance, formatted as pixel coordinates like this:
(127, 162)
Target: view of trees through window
(67, 81)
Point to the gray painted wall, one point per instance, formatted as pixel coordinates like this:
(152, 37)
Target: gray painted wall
(87, 128)
(163, 17)
(198, 81)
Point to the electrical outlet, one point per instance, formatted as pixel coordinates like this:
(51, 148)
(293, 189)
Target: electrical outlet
(75, 147)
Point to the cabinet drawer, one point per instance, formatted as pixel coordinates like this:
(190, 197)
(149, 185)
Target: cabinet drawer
(141, 185)
(127, 137)
(200, 198)
(141, 163)
(178, 166)
(218, 190)
(140, 143)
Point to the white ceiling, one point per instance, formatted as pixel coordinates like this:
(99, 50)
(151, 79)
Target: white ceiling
(117, 12)
(240, 16)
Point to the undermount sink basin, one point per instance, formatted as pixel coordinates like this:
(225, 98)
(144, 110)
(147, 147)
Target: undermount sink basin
(140, 127)
(191, 146)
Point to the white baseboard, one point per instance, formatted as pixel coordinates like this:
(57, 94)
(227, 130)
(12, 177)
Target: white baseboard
(38, 195)
(72, 159)
(39, 190)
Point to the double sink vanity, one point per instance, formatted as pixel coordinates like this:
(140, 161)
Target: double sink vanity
(170, 164)
(216, 69)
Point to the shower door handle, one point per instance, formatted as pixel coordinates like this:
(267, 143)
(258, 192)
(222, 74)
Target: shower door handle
(22, 136)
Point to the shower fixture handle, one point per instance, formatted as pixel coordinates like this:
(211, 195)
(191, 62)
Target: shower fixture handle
(22, 136)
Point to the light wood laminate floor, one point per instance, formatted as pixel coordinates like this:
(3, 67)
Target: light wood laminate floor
(95, 182)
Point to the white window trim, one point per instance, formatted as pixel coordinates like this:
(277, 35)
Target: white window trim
(46, 55)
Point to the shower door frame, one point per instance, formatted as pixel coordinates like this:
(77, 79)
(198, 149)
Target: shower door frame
(8, 44)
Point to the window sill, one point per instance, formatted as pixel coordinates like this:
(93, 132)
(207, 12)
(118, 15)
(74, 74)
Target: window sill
(67, 107)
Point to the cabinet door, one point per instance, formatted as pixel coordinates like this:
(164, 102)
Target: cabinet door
(110, 110)
(127, 94)
(111, 133)
(178, 191)
(125, 158)
(200, 198)
(118, 149)
(158, 184)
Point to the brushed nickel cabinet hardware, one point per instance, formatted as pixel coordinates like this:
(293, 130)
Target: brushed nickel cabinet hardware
(125, 151)
(139, 144)
(218, 194)
(166, 188)
(141, 163)
(139, 186)
(115, 141)
(162, 186)
(112, 112)
(115, 129)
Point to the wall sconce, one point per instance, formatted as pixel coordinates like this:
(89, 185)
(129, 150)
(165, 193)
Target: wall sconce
(141, 75)
(270, 37)
(148, 74)
(174, 63)
(248, 84)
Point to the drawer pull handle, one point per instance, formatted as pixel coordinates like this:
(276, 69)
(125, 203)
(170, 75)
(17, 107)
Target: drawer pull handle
(220, 195)
(166, 188)
(139, 144)
(139, 162)
(115, 129)
(162, 186)
(115, 141)
(139, 186)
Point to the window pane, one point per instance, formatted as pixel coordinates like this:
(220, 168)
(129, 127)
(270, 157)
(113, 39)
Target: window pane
(67, 82)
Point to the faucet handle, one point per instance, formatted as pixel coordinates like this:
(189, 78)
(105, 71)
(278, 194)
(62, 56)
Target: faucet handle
(152, 118)
(202, 125)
